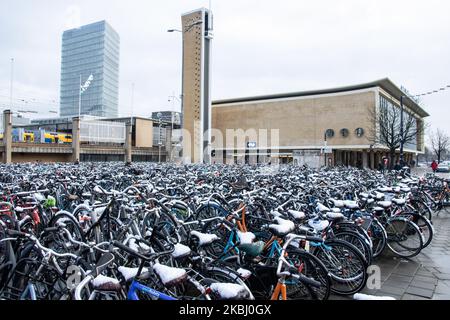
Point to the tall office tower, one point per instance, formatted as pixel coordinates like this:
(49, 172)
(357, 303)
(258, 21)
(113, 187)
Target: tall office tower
(197, 38)
(90, 56)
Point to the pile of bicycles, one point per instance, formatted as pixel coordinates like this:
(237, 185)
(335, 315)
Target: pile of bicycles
(165, 232)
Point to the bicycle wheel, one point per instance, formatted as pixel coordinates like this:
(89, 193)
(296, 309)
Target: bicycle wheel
(423, 209)
(311, 267)
(425, 226)
(358, 241)
(403, 237)
(379, 238)
(225, 276)
(346, 264)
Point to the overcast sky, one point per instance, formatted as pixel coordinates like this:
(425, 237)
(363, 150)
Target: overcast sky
(260, 47)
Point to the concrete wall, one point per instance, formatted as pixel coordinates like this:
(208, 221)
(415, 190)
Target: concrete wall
(45, 158)
(144, 133)
(302, 122)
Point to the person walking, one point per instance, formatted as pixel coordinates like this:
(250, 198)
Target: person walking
(434, 166)
(381, 166)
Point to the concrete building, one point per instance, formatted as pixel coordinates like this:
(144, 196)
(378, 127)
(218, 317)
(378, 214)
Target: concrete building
(94, 139)
(197, 38)
(90, 54)
(303, 118)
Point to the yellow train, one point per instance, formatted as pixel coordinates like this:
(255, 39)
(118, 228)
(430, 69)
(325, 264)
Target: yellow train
(40, 137)
(52, 137)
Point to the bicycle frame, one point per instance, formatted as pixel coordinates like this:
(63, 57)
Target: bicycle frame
(138, 287)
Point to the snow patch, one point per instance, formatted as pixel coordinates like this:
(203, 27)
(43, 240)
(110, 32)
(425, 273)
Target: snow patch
(246, 237)
(204, 238)
(227, 290)
(168, 274)
(360, 296)
(130, 273)
(181, 251)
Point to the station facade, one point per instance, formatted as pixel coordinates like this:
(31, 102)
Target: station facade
(333, 126)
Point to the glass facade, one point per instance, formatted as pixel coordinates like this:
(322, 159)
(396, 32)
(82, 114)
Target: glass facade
(90, 50)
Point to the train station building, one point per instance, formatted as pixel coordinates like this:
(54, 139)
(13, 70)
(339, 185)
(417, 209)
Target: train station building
(343, 117)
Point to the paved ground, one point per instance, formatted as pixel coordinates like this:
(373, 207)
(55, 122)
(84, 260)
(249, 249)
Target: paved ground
(424, 277)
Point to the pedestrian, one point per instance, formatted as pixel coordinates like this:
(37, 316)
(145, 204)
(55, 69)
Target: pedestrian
(381, 167)
(434, 166)
(397, 166)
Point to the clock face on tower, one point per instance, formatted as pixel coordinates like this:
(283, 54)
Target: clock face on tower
(359, 132)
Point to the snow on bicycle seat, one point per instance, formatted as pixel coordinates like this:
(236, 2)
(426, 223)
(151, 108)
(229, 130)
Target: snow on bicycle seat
(338, 203)
(181, 251)
(406, 189)
(229, 291)
(297, 215)
(351, 204)
(364, 195)
(335, 215)
(130, 273)
(370, 201)
(170, 276)
(378, 209)
(399, 202)
(204, 238)
(322, 208)
(379, 195)
(282, 228)
(246, 237)
(318, 225)
(385, 204)
(385, 189)
(104, 283)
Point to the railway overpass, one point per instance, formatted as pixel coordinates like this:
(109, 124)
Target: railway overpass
(136, 143)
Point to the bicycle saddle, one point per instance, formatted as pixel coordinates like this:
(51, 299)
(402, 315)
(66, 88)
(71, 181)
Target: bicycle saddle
(338, 203)
(318, 225)
(203, 238)
(335, 215)
(399, 202)
(229, 291)
(297, 215)
(282, 228)
(131, 273)
(252, 249)
(385, 204)
(351, 204)
(104, 283)
(322, 208)
(170, 276)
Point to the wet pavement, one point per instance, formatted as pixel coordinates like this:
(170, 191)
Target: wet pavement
(425, 277)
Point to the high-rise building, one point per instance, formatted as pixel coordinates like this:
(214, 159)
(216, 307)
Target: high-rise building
(90, 56)
(197, 40)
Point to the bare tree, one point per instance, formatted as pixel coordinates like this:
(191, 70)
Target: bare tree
(440, 143)
(387, 128)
